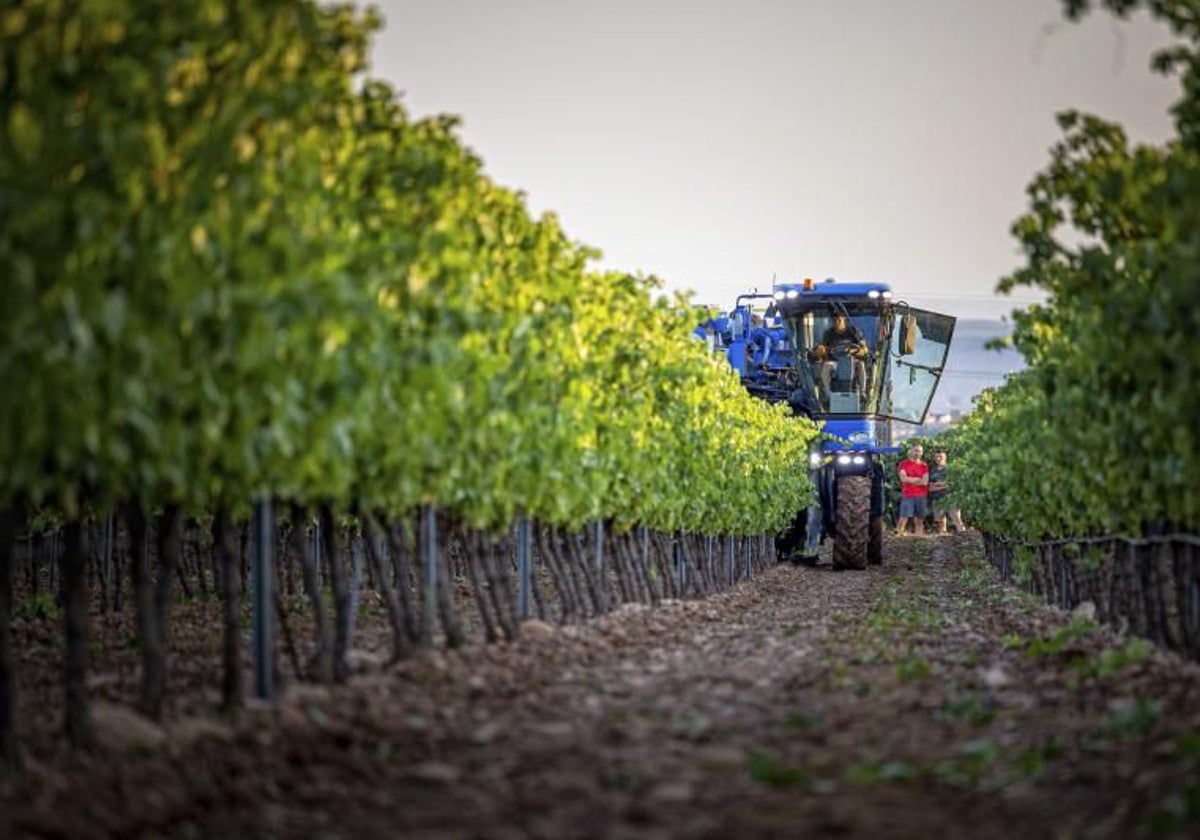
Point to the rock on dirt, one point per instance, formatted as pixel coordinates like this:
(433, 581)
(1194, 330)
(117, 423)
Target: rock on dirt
(363, 662)
(535, 629)
(437, 772)
(189, 731)
(996, 677)
(121, 729)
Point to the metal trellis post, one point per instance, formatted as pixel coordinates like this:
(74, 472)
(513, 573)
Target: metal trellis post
(1062, 581)
(598, 548)
(356, 559)
(524, 566)
(314, 536)
(644, 538)
(429, 523)
(729, 556)
(1195, 590)
(680, 571)
(708, 553)
(262, 577)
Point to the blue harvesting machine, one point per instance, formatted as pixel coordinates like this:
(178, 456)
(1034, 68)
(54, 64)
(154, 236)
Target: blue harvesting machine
(852, 357)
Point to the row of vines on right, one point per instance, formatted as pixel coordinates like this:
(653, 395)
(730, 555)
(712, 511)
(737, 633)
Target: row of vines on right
(1148, 587)
(1083, 471)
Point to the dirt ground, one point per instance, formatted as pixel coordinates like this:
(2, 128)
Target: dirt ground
(923, 698)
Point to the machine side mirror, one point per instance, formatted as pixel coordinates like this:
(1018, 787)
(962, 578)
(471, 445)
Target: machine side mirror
(908, 335)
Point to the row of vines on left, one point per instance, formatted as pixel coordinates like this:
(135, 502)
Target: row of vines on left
(431, 579)
(235, 269)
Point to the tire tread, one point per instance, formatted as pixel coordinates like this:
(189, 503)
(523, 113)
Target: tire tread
(853, 515)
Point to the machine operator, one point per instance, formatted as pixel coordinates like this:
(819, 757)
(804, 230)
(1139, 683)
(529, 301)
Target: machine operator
(842, 334)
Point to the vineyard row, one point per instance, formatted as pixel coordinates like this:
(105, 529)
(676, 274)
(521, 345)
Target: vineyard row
(431, 580)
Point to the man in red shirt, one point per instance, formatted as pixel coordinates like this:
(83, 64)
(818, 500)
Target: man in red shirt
(914, 491)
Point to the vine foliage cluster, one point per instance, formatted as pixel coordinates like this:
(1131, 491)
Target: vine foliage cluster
(1098, 438)
(234, 268)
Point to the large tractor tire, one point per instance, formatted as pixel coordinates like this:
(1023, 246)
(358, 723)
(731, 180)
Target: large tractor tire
(875, 542)
(853, 515)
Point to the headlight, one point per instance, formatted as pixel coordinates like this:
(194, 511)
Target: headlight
(860, 460)
(814, 459)
(778, 296)
(843, 459)
(792, 294)
(874, 293)
(887, 294)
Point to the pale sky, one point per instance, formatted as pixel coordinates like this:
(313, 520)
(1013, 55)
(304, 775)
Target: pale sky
(720, 144)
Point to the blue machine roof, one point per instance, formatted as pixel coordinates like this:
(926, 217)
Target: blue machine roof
(824, 289)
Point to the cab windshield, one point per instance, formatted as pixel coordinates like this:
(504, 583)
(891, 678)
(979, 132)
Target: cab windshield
(840, 349)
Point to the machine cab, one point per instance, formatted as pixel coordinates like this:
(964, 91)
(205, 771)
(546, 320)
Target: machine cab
(859, 354)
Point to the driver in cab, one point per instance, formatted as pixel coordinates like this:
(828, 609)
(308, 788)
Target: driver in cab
(841, 337)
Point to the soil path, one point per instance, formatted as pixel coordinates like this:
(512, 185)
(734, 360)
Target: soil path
(919, 699)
